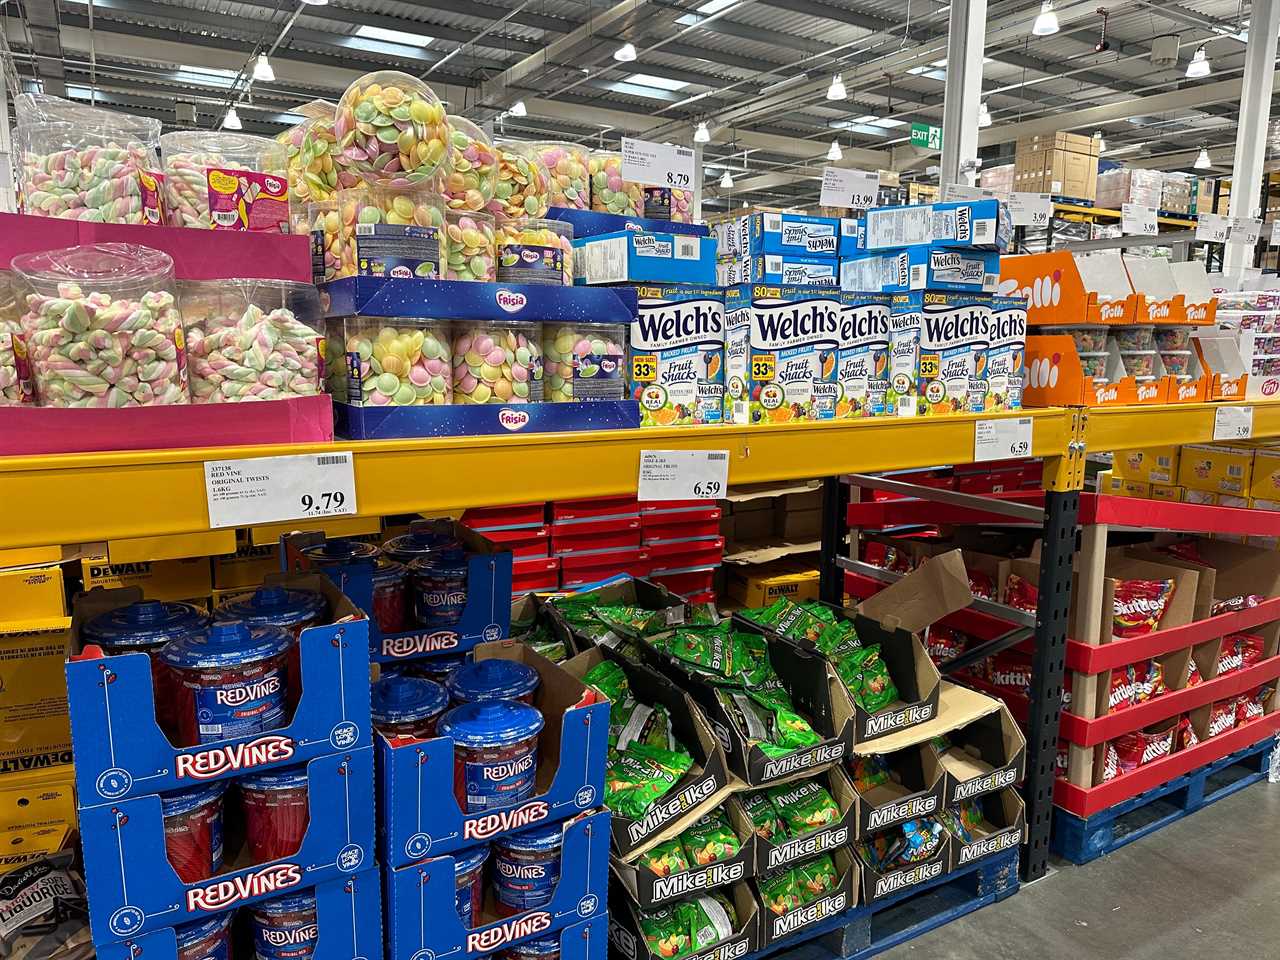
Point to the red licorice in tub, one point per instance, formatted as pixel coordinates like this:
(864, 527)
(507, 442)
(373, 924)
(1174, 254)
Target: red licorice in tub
(205, 939)
(390, 596)
(495, 751)
(284, 928)
(275, 812)
(193, 831)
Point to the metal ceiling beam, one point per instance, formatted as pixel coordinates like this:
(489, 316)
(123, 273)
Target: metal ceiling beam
(45, 31)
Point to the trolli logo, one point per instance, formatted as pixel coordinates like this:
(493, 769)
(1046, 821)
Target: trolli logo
(1112, 311)
(513, 419)
(993, 781)
(906, 810)
(510, 301)
(678, 884)
(982, 848)
(491, 824)
(418, 643)
(207, 764)
(223, 893)
(525, 925)
(248, 692)
(660, 813)
(907, 878)
(1197, 312)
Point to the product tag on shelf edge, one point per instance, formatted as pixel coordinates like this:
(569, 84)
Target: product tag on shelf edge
(657, 164)
(1212, 228)
(1245, 230)
(241, 493)
(683, 474)
(849, 188)
(1233, 423)
(1138, 220)
(1275, 233)
(1030, 209)
(1002, 439)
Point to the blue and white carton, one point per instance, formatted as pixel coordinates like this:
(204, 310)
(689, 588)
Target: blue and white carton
(922, 268)
(794, 234)
(853, 235)
(676, 355)
(792, 269)
(630, 257)
(1007, 355)
(967, 223)
(863, 368)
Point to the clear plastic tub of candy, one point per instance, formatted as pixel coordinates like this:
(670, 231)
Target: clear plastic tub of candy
(1088, 339)
(232, 171)
(205, 939)
(424, 539)
(535, 251)
(276, 813)
(609, 192)
(497, 362)
(1093, 364)
(438, 587)
(1139, 363)
(1173, 337)
(1177, 362)
(390, 596)
(522, 188)
(406, 706)
(471, 248)
(15, 371)
(284, 928)
(386, 232)
(437, 668)
(1137, 337)
(393, 129)
(526, 867)
(584, 361)
(495, 745)
(84, 163)
(471, 173)
(468, 872)
(391, 362)
(102, 326)
(568, 178)
(316, 167)
(252, 339)
(193, 830)
(668, 203)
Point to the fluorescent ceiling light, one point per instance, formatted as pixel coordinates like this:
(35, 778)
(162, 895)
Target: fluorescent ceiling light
(661, 83)
(868, 118)
(1047, 22)
(394, 36)
(316, 3)
(836, 91)
(232, 120)
(835, 153)
(1199, 67)
(1203, 161)
(931, 73)
(262, 69)
(943, 62)
(518, 109)
(726, 182)
(625, 53)
(706, 9)
(702, 134)
(888, 122)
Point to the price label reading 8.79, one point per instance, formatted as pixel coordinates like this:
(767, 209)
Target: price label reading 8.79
(240, 493)
(657, 164)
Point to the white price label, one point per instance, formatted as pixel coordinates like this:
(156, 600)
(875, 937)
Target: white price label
(1212, 228)
(960, 192)
(1233, 423)
(267, 489)
(1138, 220)
(683, 474)
(1003, 439)
(849, 188)
(1245, 230)
(1275, 242)
(657, 164)
(1030, 209)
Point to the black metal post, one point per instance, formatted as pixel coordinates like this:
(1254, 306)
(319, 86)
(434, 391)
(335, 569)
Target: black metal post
(1052, 612)
(835, 505)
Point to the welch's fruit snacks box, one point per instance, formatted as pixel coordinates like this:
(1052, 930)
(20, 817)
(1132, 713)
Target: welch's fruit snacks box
(862, 367)
(791, 233)
(951, 367)
(901, 399)
(1007, 354)
(781, 348)
(676, 355)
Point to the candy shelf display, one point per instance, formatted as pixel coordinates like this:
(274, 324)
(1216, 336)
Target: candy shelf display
(227, 181)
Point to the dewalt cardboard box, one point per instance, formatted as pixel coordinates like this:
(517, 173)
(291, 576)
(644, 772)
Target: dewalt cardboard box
(760, 586)
(32, 593)
(1214, 468)
(158, 579)
(1148, 465)
(247, 566)
(35, 731)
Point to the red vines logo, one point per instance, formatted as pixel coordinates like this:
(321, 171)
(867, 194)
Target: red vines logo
(510, 301)
(513, 419)
(522, 871)
(287, 937)
(421, 643)
(497, 772)
(207, 764)
(223, 893)
(248, 692)
(485, 941)
(491, 824)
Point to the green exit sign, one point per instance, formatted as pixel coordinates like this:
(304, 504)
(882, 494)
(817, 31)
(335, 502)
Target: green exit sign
(926, 136)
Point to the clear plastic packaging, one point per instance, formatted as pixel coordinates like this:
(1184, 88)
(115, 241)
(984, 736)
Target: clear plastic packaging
(668, 203)
(584, 361)
(497, 362)
(102, 327)
(535, 251)
(84, 163)
(471, 174)
(252, 339)
(393, 129)
(323, 223)
(1139, 363)
(1142, 337)
(521, 190)
(609, 192)
(275, 812)
(1174, 337)
(1088, 339)
(391, 232)
(15, 375)
(1177, 362)
(316, 167)
(568, 179)
(190, 159)
(387, 362)
(1094, 364)
(471, 247)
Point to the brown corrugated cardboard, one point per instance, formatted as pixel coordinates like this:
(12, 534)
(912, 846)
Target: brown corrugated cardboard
(35, 730)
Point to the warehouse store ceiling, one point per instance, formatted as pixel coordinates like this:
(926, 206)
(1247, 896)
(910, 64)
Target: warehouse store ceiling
(757, 72)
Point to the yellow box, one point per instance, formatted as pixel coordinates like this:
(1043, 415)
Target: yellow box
(1265, 543)
(1162, 491)
(35, 731)
(27, 846)
(158, 579)
(332, 527)
(30, 556)
(760, 586)
(36, 800)
(1151, 465)
(1216, 469)
(1265, 484)
(230, 594)
(1120, 487)
(32, 593)
(175, 547)
(1191, 495)
(246, 567)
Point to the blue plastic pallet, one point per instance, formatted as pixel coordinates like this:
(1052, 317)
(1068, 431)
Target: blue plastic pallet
(1083, 839)
(866, 931)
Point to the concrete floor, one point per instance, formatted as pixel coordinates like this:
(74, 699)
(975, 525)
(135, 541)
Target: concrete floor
(1205, 888)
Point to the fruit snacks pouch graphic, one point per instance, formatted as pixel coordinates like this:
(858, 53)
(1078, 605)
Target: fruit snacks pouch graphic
(863, 365)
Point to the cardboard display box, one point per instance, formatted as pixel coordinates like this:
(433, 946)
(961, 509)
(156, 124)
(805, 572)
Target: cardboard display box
(158, 579)
(33, 695)
(1147, 465)
(631, 592)
(759, 586)
(776, 927)
(34, 593)
(1003, 827)
(626, 938)
(877, 886)
(772, 856)
(986, 754)
(916, 786)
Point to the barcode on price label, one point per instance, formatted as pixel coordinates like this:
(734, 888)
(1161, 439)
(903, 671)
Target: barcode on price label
(269, 489)
(1002, 439)
(683, 474)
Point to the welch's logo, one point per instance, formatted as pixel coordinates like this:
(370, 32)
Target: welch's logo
(957, 326)
(865, 324)
(791, 324)
(1008, 326)
(678, 325)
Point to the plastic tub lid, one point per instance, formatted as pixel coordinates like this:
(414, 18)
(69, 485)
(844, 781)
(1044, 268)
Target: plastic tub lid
(540, 947)
(397, 698)
(1137, 353)
(1092, 353)
(417, 543)
(494, 679)
(144, 624)
(190, 933)
(227, 644)
(289, 903)
(464, 861)
(273, 606)
(490, 723)
(539, 839)
(450, 557)
(1175, 353)
(438, 666)
(290, 778)
(101, 267)
(340, 550)
(185, 801)
(387, 571)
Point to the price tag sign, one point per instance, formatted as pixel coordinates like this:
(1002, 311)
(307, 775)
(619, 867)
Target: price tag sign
(849, 188)
(267, 489)
(960, 192)
(657, 164)
(1212, 228)
(1030, 209)
(1138, 221)
(1275, 234)
(1233, 423)
(1245, 230)
(1003, 439)
(683, 474)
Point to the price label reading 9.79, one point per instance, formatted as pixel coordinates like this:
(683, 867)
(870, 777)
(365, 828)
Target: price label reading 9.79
(269, 489)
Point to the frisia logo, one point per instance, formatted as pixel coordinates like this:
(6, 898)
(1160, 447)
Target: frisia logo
(510, 301)
(418, 643)
(401, 272)
(513, 419)
(273, 185)
(491, 824)
(223, 893)
(207, 764)
(497, 772)
(238, 696)
(526, 925)
(678, 324)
